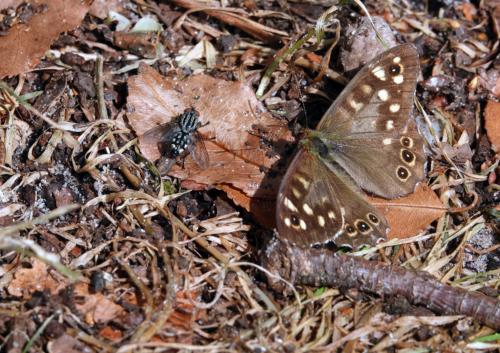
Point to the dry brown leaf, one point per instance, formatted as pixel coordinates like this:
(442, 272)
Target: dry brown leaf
(66, 344)
(185, 314)
(262, 210)
(492, 123)
(24, 44)
(111, 334)
(410, 214)
(231, 113)
(469, 11)
(10, 3)
(137, 42)
(96, 308)
(28, 280)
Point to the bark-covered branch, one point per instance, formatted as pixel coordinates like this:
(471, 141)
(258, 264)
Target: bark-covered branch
(321, 267)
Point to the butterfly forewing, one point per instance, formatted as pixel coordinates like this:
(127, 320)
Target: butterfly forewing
(316, 205)
(393, 72)
(369, 129)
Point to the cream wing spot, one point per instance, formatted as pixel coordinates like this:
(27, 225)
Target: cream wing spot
(379, 73)
(396, 60)
(367, 89)
(287, 222)
(357, 106)
(321, 221)
(383, 95)
(331, 214)
(303, 181)
(398, 79)
(389, 125)
(296, 193)
(289, 204)
(394, 108)
(387, 141)
(303, 225)
(307, 209)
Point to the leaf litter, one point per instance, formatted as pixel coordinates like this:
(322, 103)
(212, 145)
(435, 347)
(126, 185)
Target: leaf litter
(231, 117)
(25, 43)
(163, 268)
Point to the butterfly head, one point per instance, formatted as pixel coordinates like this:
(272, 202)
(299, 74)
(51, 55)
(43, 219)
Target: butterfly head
(313, 142)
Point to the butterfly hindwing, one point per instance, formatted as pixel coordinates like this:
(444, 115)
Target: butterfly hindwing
(325, 208)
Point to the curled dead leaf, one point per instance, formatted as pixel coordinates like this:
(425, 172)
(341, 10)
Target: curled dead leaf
(234, 122)
(492, 123)
(24, 44)
(96, 308)
(37, 278)
(410, 214)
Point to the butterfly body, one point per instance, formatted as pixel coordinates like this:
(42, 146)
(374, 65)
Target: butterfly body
(366, 140)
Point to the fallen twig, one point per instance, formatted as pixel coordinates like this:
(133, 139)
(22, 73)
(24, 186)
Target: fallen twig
(321, 267)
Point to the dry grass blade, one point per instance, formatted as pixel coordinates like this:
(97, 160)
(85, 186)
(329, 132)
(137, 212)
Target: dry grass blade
(232, 17)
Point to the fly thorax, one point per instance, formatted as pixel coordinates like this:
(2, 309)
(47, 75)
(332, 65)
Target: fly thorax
(189, 123)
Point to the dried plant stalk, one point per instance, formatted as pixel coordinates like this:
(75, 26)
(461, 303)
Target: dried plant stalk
(321, 267)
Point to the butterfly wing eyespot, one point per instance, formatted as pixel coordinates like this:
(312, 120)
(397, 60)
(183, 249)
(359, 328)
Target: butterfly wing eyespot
(362, 226)
(351, 231)
(407, 157)
(373, 219)
(406, 141)
(403, 173)
(395, 69)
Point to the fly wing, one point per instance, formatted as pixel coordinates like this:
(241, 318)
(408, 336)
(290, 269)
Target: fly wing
(198, 151)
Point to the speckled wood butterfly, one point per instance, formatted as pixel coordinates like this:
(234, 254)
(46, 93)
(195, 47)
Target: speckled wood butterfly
(366, 140)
